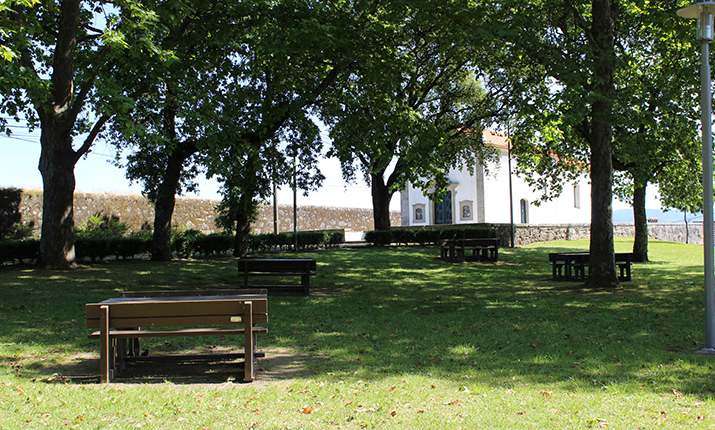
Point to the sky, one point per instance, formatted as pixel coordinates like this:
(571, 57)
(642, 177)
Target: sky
(20, 153)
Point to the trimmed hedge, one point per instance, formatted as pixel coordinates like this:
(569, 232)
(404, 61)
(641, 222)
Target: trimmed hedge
(286, 241)
(19, 250)
(186, 244)
(427, 236)
(97, 249)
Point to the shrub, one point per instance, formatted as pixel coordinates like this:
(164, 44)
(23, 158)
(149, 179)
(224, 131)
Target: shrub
(19, 231)
(19, 250)
(379, 237)
(102, 226)
(424, 236)
(94, 248)
(126, 247)
(213, 244)
(183, 242)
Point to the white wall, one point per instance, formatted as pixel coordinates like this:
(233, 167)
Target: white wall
(560, 210)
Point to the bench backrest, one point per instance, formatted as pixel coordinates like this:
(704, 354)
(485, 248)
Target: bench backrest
(178, 293)
(268, 265)
(624, 256)
(153, 312)
(481, 241)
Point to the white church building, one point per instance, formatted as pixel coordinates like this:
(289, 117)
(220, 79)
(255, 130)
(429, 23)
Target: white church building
(484, 197)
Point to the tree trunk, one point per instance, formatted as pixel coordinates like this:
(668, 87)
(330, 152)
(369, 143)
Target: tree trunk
(57, 158)
(243, 229)
(640, 244)
(57, 161)
(164, 206)
(380, 202)
(602, 266)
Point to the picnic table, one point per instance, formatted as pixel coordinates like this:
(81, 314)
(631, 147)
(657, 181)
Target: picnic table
(573, 266)
(285, 267)
(484, 249)
(121, 321)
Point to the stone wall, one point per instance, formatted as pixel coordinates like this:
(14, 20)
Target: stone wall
(526, 234)
(199, 214)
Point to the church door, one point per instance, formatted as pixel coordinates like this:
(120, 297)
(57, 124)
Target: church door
(443, 209)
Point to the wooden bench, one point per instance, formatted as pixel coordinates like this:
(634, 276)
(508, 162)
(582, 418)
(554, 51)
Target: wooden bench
(122, 321)
(573, 266)
(483, 249)
(303, 267)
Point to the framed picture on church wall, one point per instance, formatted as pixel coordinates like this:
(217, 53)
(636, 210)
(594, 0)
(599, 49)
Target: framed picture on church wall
(418, 213)
(466, 210)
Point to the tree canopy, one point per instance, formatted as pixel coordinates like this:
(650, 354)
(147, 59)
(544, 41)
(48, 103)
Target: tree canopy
(60, 49)
(418, 108)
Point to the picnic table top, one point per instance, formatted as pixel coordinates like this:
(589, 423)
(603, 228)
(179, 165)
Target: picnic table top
(553, 255)
(187, 298)
(274, 259)
(474, 240)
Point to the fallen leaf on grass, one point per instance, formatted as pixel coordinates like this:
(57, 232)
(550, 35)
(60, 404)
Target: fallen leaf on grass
(307, 409)
(546, 393)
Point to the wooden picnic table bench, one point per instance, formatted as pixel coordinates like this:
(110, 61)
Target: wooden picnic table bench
(174, 314)
(483, 249)
(303, 267)
(573, 266)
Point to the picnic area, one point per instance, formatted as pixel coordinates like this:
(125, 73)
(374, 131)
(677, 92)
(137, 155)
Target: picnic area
(389, 337)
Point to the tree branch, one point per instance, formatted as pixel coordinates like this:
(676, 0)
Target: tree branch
(91, 137)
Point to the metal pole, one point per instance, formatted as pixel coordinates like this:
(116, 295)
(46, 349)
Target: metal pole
(701, 12)
(275, 206)
(511, 190)
(706, 120)
(295, 205)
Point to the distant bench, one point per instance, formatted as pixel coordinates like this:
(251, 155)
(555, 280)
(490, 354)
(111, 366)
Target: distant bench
(122, 321)
(482, 249)
(573, 266)
(303, 267)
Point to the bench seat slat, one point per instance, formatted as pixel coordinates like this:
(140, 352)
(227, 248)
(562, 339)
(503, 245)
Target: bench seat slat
(169, 321)
(178, 332)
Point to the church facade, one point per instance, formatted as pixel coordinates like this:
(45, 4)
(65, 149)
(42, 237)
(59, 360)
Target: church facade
(494, 195)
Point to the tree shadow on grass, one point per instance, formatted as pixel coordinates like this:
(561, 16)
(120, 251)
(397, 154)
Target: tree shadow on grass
(278, 364)
(387, 312)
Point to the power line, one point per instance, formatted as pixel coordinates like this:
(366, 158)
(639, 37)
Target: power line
(22, 139)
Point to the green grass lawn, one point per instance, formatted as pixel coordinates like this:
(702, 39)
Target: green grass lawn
(391, 338)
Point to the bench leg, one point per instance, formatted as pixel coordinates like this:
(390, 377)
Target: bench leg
(556, 270)
(305, 282)
(105, 347)
(625, 269)
(248, 345)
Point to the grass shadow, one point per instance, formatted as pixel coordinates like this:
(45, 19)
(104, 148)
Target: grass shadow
(380, 312)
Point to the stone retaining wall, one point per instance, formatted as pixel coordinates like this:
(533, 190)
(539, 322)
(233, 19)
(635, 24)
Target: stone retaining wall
(199, 214)
(526, 234)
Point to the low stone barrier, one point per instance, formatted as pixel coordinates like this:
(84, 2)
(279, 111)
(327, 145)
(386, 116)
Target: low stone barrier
(526, 234)
(200, 214)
